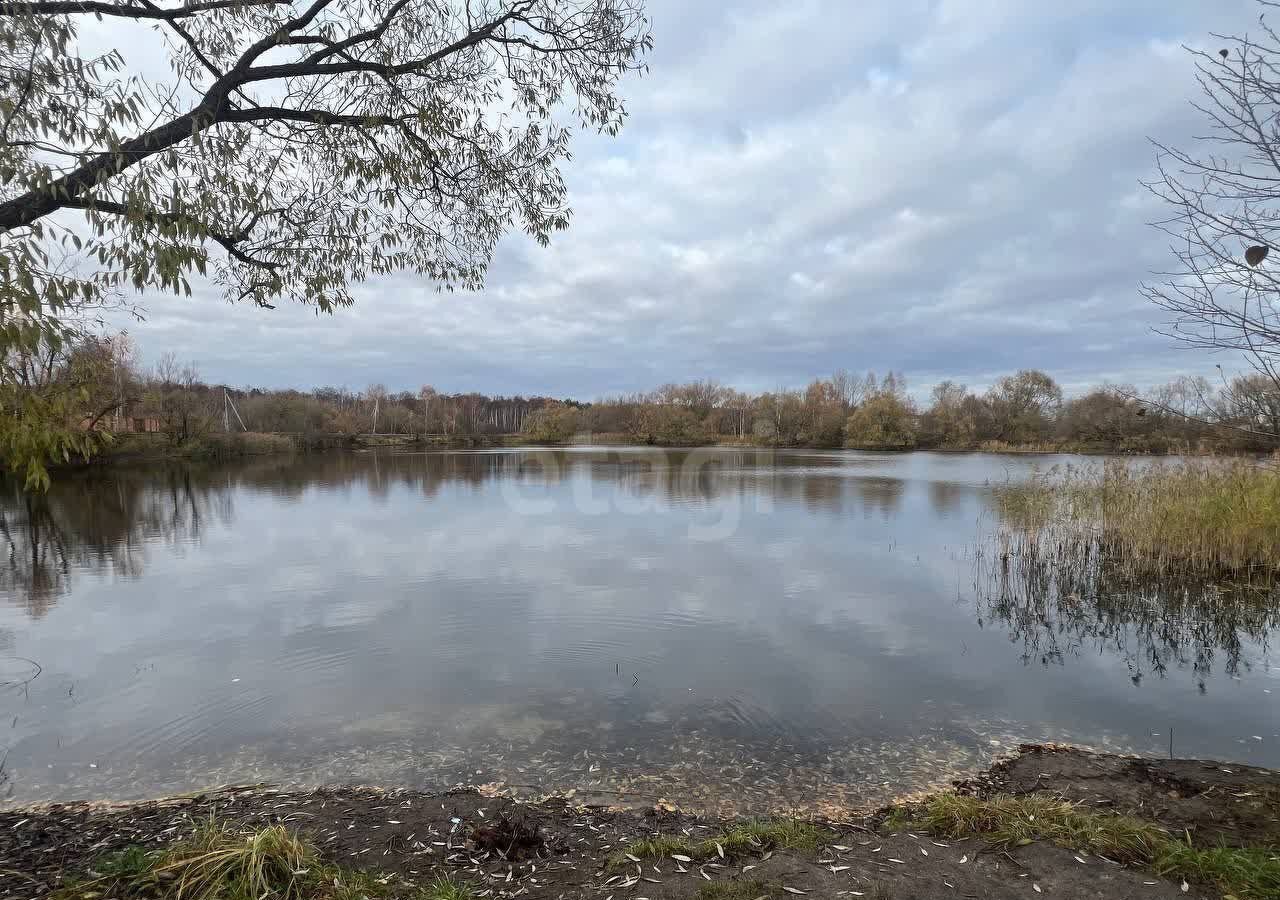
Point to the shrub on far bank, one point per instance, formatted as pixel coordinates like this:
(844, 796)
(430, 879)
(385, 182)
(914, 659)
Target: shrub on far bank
(215, 445)
(884, 422)
(554, 423)
(235, 444)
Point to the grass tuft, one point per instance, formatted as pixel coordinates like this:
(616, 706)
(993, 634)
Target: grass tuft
(898, 819)
(1014, 821)
(219, 862)
(749, 837)
(131, 862)
(447, 889)
(1248, 872)
(764, 835)
(659, 847)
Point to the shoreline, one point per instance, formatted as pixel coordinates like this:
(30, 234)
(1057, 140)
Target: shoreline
(135, 449)
(579, 850)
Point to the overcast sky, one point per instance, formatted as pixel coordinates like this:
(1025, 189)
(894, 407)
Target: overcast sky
(946, 187)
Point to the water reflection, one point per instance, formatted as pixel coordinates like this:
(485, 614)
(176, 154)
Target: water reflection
(745, 629)
(946, 497)
(104, 520)
(98, 524)
(1057, 613)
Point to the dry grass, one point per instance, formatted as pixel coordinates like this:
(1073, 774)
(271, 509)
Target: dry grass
(1213, 518)
(219, 862)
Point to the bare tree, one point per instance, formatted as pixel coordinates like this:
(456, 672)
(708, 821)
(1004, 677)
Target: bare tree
(1225, 200)
(180, 399)
(1252, 403)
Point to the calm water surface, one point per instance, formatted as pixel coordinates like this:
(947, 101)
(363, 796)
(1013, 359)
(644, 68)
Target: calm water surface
(734, 630)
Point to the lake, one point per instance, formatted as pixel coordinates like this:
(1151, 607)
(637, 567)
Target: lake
(736, 631)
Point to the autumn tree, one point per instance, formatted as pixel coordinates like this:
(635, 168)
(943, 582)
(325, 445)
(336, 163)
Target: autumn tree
(952, 418)
(299, 146)
(884, 421)
(554, 423)
(1022, 406)
(779, 417)
(826, 408)
(74, 385)
(291, 411)
(1111, 417)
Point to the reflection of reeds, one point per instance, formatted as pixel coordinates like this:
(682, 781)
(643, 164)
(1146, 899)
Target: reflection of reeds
(1220, 519)
(1055, 611)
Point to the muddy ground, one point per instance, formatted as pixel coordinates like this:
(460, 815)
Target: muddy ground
(415, 836)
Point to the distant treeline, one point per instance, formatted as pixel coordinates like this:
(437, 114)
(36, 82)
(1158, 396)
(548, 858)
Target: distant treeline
(1026, 410)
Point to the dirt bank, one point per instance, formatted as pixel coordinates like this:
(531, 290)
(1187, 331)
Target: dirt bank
(582, 852)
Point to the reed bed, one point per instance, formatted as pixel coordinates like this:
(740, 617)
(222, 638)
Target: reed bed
(1203, 518)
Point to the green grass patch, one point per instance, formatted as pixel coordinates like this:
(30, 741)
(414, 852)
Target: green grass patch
(659, 847)
(1242, 871)
(898, 819)
(220, 862)
(130, 862)
(1014, 821)
(764, 835)
(735, 890)
(748, 837)
(447, 889)
(1249, 872)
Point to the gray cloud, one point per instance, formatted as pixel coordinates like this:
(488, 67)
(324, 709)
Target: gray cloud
(948, 187)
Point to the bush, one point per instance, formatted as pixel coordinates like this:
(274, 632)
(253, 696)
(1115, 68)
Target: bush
(230, 446)
(554, 423)
(884, 422)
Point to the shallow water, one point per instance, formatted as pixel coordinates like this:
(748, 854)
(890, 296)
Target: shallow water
(733, 630)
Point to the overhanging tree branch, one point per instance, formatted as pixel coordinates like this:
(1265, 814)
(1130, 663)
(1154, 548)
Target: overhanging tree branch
(321, 143)
(213, 109)
(229, 241)
(127, 10)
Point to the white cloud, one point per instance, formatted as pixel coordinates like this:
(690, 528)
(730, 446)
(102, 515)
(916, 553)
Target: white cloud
(949, 187)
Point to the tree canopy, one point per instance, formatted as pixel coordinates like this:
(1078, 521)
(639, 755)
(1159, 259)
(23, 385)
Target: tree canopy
(296, 148)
